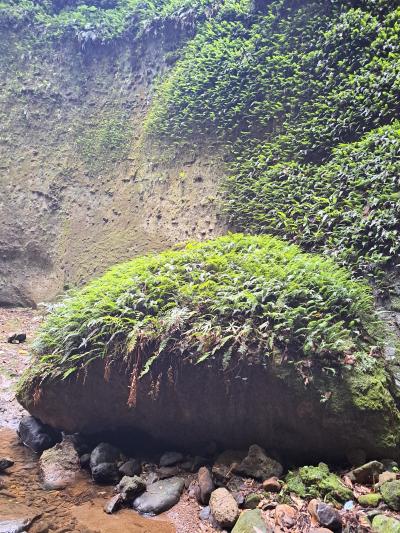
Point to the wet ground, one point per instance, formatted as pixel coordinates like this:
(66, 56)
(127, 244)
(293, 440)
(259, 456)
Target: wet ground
(77, 509)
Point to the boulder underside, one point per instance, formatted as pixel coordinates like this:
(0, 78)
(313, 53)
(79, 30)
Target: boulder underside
(201, 404)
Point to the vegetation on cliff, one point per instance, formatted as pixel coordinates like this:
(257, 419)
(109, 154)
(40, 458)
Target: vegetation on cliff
(285, 87)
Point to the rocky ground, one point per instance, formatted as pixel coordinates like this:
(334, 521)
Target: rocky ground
(73, 485)
(78, 508)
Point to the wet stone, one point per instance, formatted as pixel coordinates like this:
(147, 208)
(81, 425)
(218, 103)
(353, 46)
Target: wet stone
(37, 436)
(130, 468)
(5, 463)
(106, 473)
(113, 504)
(14, 526)
(159, 496)
(104, 453)
(130, 487)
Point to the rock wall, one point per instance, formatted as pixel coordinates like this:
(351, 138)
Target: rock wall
(80, 186)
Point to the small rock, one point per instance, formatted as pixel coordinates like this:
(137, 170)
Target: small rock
(104, 453)
(130, 468)
(239, 498)
(171, 458)
(356, 457)
(367, 473)
(370, 500)
(206, 485)
(385, 476)
(205, 513)
(385, 524)
(168, 471)
(84, 460)
(160, 496)
(224, 508)
(37, 436)
(326, 515)
(252, 500)
(320, 530)
(391, 494)
(349, 505)
(390, 465)
(225, 463)
(5, 463)
(272, 485)
(17, 338)
(130, 487)
(59, 465)
(258, 465)
(250, 522)
(113, 504)
(106, 473)
(14, 526)
(285, 516)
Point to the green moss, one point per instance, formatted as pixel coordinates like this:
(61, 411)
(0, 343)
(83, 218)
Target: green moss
(370, 500)
(104, 141)
(238, 296)
(385, 524)
(391, 494)
(252, 500)
(317, 482)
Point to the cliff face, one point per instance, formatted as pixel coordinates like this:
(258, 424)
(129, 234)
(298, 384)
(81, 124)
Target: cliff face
(79, 187)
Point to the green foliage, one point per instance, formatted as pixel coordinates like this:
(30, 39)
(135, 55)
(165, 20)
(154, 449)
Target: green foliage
(285, 89)
(251, 298)
(348, 207)
(90, 20)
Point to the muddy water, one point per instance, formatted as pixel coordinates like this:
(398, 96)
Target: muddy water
(77, 509)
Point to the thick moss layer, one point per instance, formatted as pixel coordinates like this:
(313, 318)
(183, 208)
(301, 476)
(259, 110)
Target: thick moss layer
(317, 482)
(256, 299)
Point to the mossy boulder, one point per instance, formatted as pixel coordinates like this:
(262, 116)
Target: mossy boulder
(250, 521)
(317, 482)
(385, 524)
(242, 339)
(391, 494)
(370, 500)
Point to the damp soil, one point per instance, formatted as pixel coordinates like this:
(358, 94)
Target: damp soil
(76, 509)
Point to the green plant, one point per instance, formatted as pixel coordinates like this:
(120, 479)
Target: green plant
(251, 298)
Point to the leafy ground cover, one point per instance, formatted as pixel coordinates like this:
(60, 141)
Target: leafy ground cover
(255, 298)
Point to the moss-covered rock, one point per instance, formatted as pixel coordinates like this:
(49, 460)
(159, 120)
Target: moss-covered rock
(250, 521)
(317, 482)
(385, 524)
(252, 500)
(178, 345)
(370, 500)
(391, 494)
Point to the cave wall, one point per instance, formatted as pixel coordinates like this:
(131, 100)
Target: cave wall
(81, 187)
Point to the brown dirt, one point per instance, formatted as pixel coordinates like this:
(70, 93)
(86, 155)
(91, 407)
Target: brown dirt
(77, 509)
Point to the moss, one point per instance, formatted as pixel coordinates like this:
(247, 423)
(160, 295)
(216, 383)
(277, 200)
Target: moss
(370, 500)
(317, 482)
(105, 141)
(385, 524)
(391, 494)
(295, 484)
(252, 500)
(187, 302)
